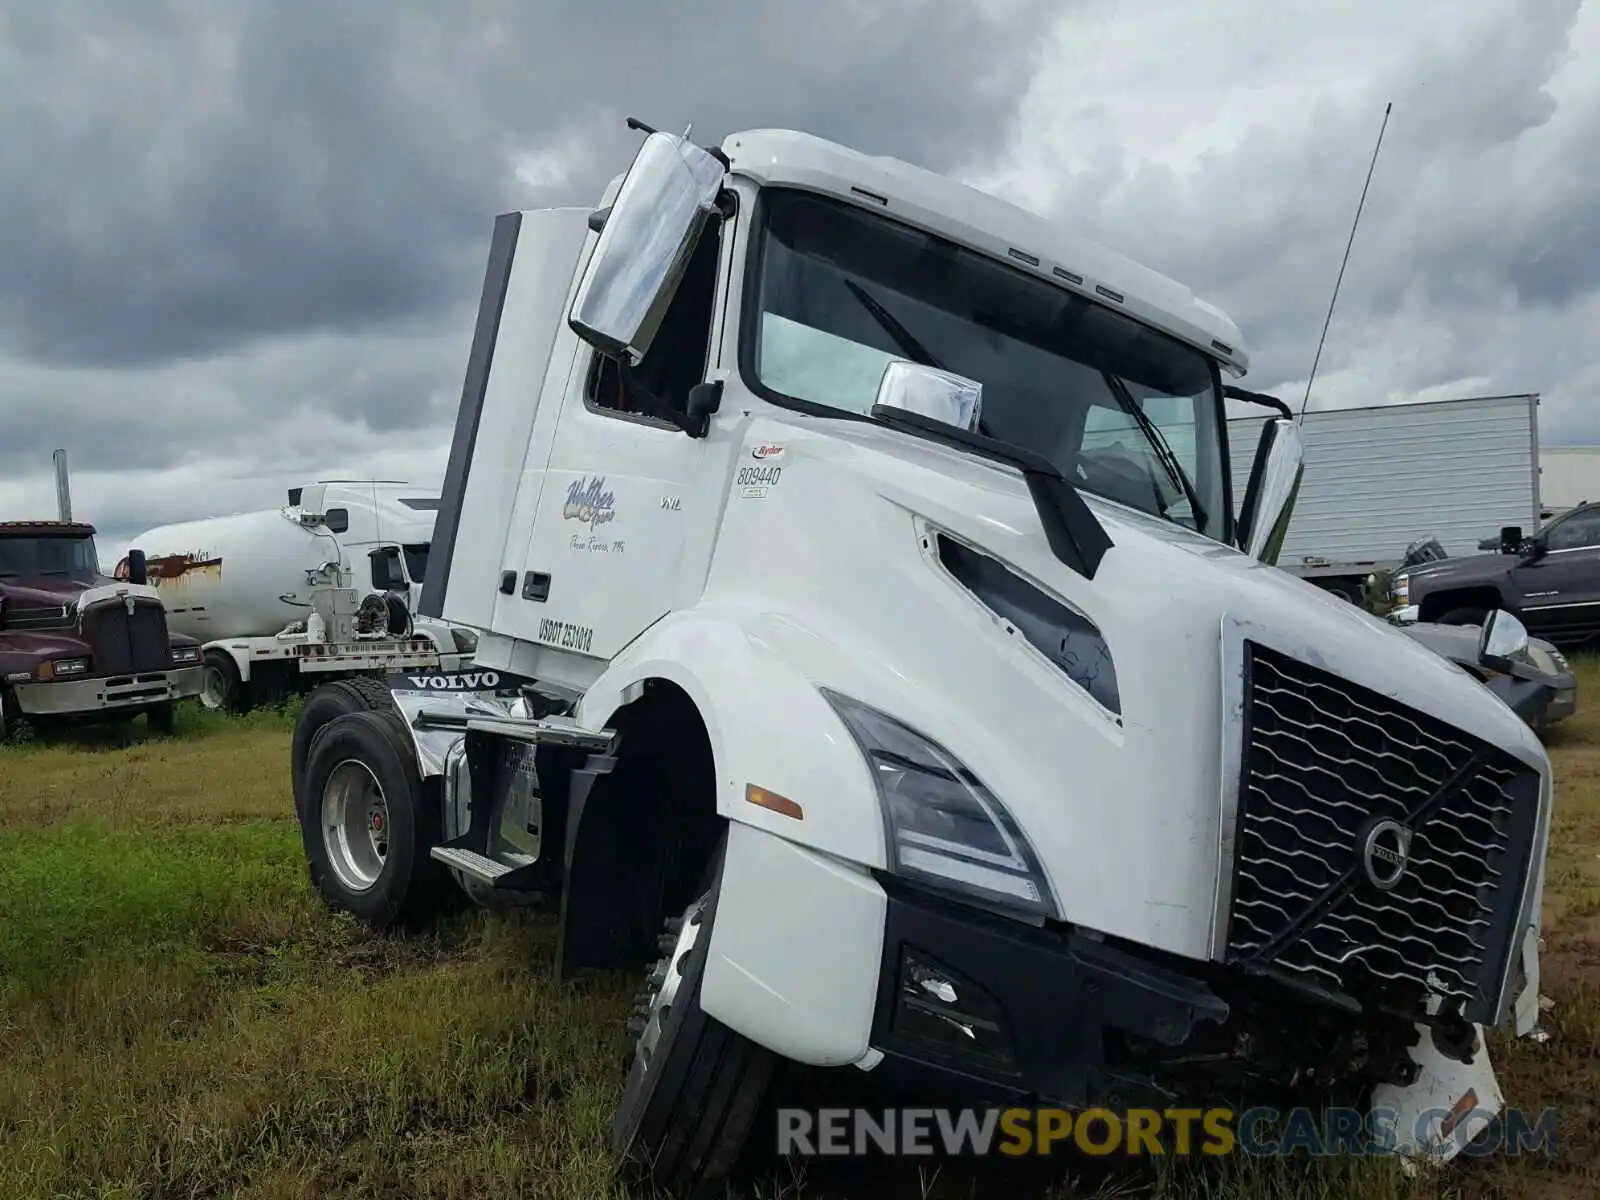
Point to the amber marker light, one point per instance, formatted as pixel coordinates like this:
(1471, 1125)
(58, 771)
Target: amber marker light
(773, 802)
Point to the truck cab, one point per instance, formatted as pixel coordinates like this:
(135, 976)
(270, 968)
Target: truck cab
(76, 645)
(869, 647)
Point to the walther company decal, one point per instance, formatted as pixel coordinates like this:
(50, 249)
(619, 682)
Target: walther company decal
(588, 501)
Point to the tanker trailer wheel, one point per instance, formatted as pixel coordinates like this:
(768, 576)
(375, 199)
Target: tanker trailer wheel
(224, 691)
(694, 1086)
(361, 693)
(367, 824)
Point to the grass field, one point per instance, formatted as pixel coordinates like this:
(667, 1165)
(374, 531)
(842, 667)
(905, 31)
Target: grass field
(180, 1016)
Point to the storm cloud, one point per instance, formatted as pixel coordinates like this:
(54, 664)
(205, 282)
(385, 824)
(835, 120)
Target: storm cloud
(242, 247)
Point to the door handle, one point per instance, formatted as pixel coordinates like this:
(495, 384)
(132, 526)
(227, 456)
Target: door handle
(536, 586)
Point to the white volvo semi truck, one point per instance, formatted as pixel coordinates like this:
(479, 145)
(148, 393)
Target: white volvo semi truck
(855, 649)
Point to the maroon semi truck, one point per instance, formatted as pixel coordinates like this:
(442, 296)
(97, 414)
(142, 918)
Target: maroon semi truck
(76, 645)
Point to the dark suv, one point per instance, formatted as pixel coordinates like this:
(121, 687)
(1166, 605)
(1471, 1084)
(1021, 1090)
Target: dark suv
(1551, 581)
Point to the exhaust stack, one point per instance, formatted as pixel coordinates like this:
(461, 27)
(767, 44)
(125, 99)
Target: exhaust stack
(63, 493)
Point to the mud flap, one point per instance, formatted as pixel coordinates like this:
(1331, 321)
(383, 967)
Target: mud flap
(1527, 1002)
(1429, 1122)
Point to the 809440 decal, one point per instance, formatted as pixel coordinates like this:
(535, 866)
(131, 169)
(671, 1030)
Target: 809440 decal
(566, 635)
(755, 481)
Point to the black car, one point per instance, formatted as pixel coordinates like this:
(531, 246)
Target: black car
(1550, 582)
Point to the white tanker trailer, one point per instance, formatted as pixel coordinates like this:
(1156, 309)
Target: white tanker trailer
(289, 597)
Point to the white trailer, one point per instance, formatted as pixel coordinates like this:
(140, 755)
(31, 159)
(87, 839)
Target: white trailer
(324, 586)
(1379, 478)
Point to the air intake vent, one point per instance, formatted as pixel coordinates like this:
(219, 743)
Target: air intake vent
(1070, 640)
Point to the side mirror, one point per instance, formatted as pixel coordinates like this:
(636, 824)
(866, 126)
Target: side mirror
(1511, 539)
(1502, 640)
(1273, 488)
(929, 392)
(138, 568)
(645, 243)
(387, 575)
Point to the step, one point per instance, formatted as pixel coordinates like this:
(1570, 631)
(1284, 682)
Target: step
(480, 867)
(553, 730)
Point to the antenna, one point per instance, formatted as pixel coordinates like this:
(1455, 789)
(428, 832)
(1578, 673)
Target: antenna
(1306, 399)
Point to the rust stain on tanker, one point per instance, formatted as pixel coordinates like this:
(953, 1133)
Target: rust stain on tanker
(177, 571)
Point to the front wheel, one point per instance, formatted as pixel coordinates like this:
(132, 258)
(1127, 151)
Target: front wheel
(163, 718)
(367, 823)
(224, 690)
(694, 1086)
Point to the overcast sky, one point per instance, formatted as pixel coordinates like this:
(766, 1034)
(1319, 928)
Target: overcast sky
(243, 251)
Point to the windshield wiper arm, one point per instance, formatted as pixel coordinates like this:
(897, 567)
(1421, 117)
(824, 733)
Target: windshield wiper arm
(1152, 432)
(903, 337)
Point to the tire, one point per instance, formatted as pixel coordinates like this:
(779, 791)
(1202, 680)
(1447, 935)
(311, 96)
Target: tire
(1465, 615)
(694, 1086)
(379, 870)
(328, 701)
(224, 690)
(163, 718)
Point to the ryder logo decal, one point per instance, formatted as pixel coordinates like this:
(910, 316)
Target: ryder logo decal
(766, 450)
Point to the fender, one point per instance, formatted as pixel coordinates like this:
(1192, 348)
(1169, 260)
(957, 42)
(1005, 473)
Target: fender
(768, 724)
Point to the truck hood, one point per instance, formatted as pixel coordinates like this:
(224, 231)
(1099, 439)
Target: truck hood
(1126, 811)
(42, 590)
(1468, 569)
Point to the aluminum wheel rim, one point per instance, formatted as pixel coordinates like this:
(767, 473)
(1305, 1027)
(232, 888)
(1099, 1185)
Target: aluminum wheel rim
(661, 989)
(355, 825)
(215, 687)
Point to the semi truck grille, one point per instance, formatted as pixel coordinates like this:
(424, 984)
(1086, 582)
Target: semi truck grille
(1380, 853)
(123, 643)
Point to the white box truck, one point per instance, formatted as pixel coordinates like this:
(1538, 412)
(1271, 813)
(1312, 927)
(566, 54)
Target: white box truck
(855, 648)
(1381, 477)
(324, 587)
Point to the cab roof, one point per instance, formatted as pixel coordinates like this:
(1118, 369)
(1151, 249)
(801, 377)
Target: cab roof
(967, 216)
(46, 529)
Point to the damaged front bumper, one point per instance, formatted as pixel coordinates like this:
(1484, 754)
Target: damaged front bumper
(973, 1009)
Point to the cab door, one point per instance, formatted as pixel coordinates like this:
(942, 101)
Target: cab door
(1560, 590)
(618, 538)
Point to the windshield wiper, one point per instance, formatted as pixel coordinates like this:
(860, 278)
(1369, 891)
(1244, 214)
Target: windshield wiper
(904, 338)
(1164, 455)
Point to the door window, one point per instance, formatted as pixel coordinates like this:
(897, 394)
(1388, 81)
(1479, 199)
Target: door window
(1576, 532)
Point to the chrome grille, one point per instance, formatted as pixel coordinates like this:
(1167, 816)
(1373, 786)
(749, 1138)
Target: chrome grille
(1324, 760)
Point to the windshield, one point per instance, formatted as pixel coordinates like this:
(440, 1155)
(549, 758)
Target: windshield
(1121, 410)
(62, 557)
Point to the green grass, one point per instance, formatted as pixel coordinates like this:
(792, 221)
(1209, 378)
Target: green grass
(181, 1017)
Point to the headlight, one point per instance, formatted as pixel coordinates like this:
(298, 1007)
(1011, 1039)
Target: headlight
(69, 666)
(945, 828)
(1402, 589)
(186, 654)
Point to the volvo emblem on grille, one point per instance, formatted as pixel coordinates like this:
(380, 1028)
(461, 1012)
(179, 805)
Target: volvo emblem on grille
(1385, 851)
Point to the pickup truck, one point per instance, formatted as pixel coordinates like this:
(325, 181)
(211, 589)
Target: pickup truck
(1550, 581)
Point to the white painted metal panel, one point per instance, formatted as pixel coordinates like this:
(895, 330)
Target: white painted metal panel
(1568, 476)
(1379, 478)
